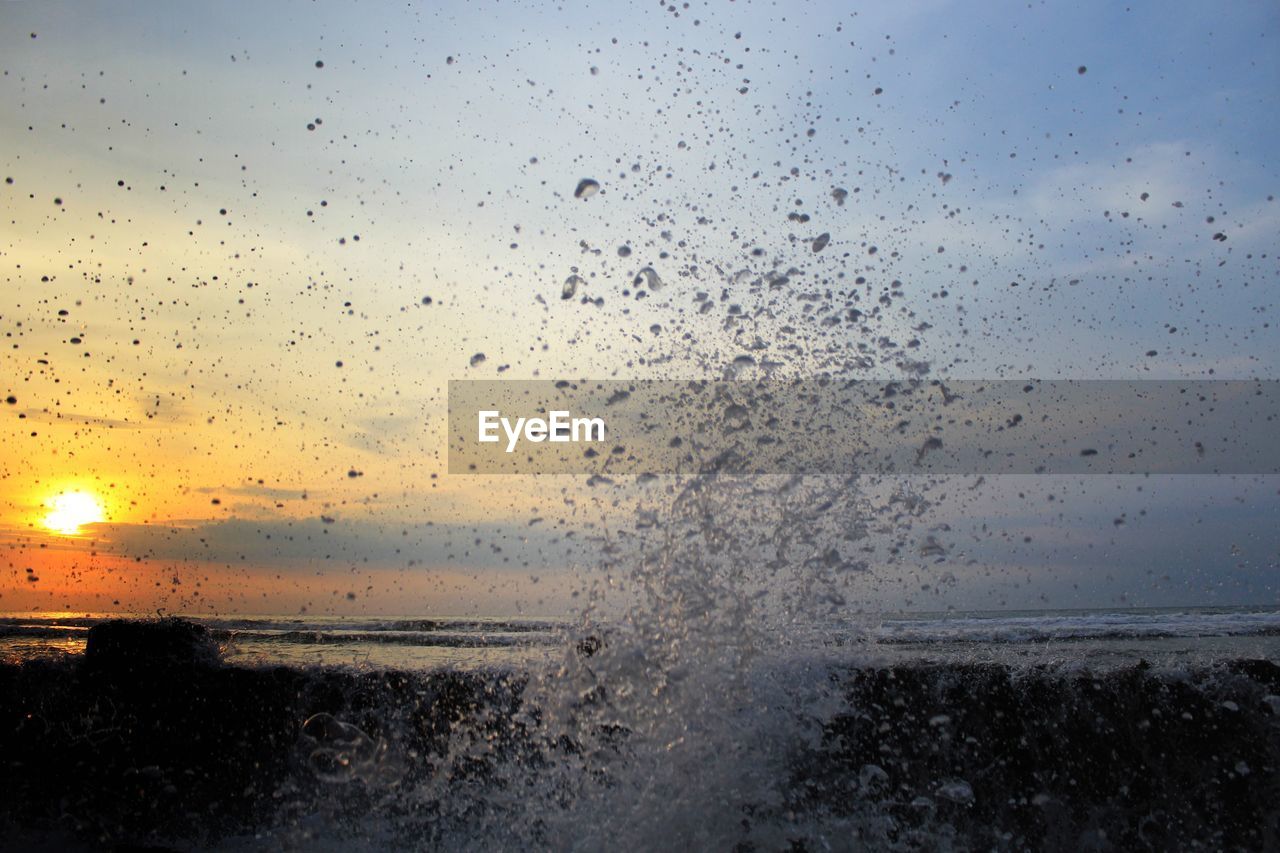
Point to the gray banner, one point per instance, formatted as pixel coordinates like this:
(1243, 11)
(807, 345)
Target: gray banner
(865, 426)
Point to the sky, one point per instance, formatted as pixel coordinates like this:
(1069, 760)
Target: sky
(244, 248)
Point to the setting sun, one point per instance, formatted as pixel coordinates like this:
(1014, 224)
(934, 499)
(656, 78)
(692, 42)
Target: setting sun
(71, 511)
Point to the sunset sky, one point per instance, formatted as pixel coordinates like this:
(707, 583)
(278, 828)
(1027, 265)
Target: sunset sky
(243, 247)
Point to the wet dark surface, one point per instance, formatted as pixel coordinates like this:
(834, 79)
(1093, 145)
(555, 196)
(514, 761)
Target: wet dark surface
(149, 739)
(1128, 760)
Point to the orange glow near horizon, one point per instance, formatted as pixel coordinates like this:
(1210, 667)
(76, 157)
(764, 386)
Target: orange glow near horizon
(71, 511)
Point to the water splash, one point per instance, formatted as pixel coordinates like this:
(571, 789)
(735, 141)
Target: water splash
(678, 722)
(341, 753)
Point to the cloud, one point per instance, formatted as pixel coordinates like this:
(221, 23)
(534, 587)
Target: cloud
(46, 416)
(254, 491)
(327, 539)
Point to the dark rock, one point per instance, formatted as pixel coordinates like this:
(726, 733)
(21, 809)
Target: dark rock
(130, 644)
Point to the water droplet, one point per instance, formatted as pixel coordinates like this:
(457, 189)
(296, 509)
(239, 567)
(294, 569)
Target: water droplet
(570, 286)
(736, 418)
(647, 278)
(587, 187)
(957, 791)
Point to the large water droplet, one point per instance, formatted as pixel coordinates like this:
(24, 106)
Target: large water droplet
(839, 195)
(587, 187)
(477, 359)
(820, 242)
(647, 278)
(570, 286)
(736, 418)
(739, 366)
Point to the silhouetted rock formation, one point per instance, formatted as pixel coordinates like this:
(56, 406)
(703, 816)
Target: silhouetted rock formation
(124, 645)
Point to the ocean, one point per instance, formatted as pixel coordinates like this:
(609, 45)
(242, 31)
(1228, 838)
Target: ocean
(1088, 637)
